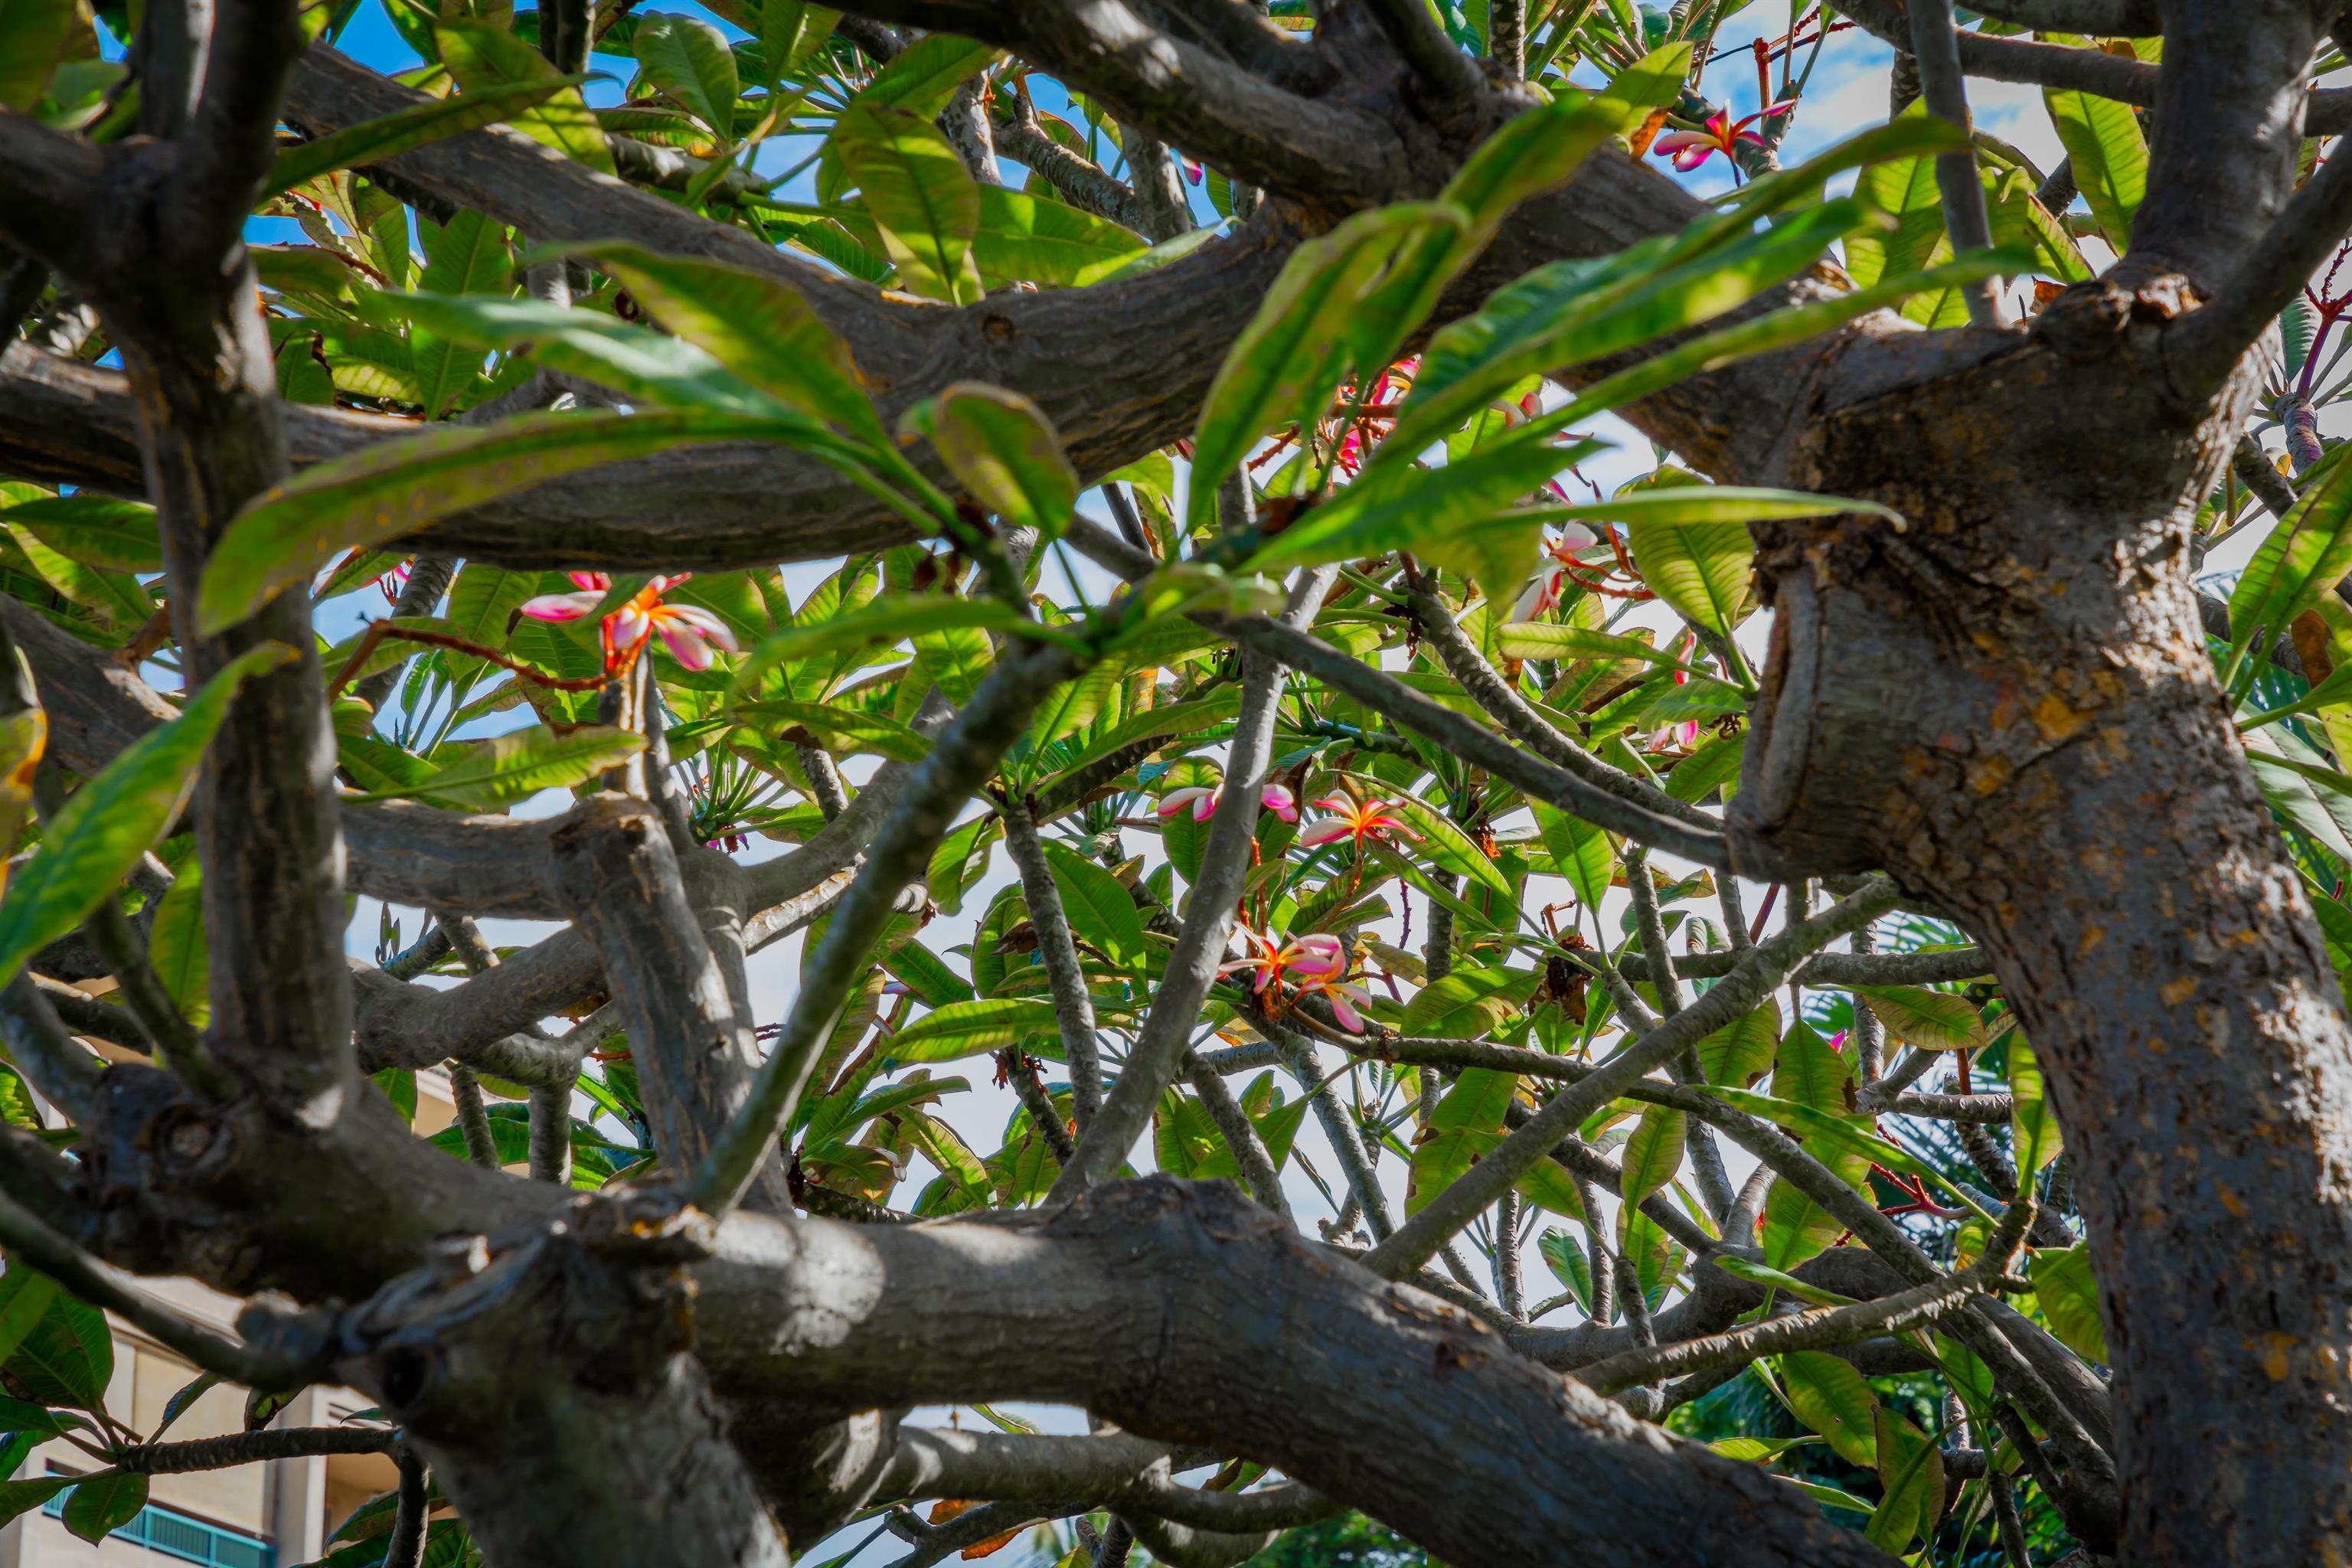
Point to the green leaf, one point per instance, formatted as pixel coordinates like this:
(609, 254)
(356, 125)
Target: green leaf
(1580, 851)
(1100, 910)
(1570, 312)
(2304, 557)
(96, 531)
(67, 1356)
(1469, 1002)
(23, 1305)
(485, 59)
(1550, 639)
(181, 1403)
(1830, 1398)
(177, 947)
(1700, 571)
(2103, 142)
(2035, 1131)
(1742, 1051)
(2069, 1295)
(644, 366)
(968, 1028)
(1744, 1268)
(1924, 1019)
(1172, 722)
(1003, 449)
(688, 59)
(888, 621)
(1291, 357)
(116, 597)
(497, 771)
(847, 731)
(23, 1497)
(757, 326)
(100, 833)
(924, 76)
(104, 1504)
(385, 492)
(1826, 1131)
(1911, 1471)
(1466, 1126)
(36, 37)
(404, 130)
(1569, 1265)
(1905, 190)
(1653, 1153)
(919, 194)
(792, 32)
(1024, 236)
(465, 255)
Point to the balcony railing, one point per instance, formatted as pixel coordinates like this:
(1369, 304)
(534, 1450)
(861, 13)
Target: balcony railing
(188, 1539)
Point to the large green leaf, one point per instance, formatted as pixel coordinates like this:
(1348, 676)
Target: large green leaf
(1580, 852)
(968, 1028)
(2033, 1123)
(115, 597)
(1462, 1130)
(177, 946)
(757, 326)
(485, 59)
(1743, 1050)
(688, 59)
(1100, 910)
(1911, 1472)
(1003, 451)
(1924, 1019)
(1653, 1153)
(465, 255)
(2108, 154)
(1293, 354)
(2069, 1295)
(104, 1504)
(487, 775)
(384, 491)
(920, 79)
(887, 621)
(96, 531)
(1830, 1398)
(1905, 190)
(1700, 569)
(67, 1356)
(841, 730)
(374, 141)
(100, 833)
(1024, 237)
(921, 195)
(2304, 557)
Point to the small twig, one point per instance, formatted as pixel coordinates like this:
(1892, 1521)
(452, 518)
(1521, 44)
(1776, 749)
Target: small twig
(1936, 45)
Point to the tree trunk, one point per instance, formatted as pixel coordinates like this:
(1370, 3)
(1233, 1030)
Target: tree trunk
(2011, 706)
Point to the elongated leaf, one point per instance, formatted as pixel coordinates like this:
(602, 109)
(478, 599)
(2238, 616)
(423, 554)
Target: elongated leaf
(1924, 1019)
(836, 729)
(374, 141)
(2304, 557)
(485, 59)
(1548, 639)
(1172, 722)
(2069, 1295)
(104, 1504)
(648, 367)
(919, 80)
(1911, 1471)
(1702, 570)
(968, 1028)
(118, 816)
(177, 946)
(1580, 851)
(67, 1356)
(1292, 355)
(888, 621)
(385, 492)
(95, 529)
(1569, 1265)
(757, 326)
(919, 194)
(2034, 1125)
(1739, 1053)
(22, 1497)
(116, 597)
(34, 37)
(1003, 451)
(1825, 1133)
(1100, 910)
(1466, 1126)
(689, 60)
(1654, 1153)
(466, 256)
(1024, 237)
(1469, 1002)
(2108, 154)
(503, 769)
(1830, 1398)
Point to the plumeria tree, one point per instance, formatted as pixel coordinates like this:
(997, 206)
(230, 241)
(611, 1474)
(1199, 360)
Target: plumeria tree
(1066, 542)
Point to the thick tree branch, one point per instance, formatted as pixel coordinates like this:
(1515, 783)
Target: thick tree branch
(50, 190)
(2269, 276)
(1074, 1009)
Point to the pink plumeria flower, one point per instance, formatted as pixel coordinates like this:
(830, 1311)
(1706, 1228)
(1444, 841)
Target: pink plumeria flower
(1202, 799)
(1192, 169)
(1682, 736)
(1345, 999)
(1313, 956)
(1722, 134)
(1373, 819)
(688, 631)
(1544, 590)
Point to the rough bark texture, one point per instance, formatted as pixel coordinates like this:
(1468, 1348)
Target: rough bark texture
(2018, 687)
